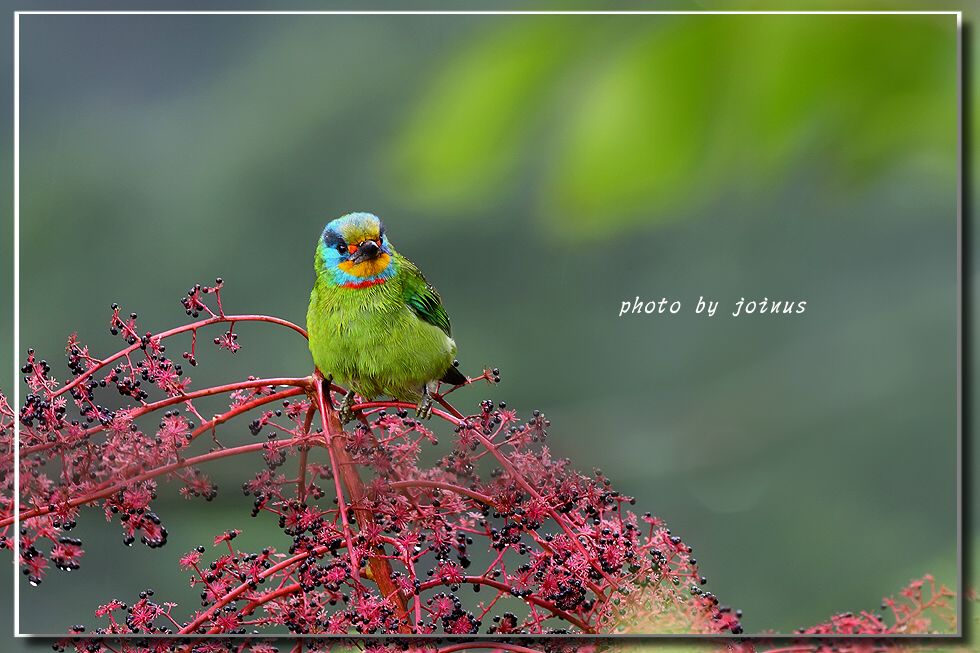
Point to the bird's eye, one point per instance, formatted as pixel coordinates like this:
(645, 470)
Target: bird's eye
(341, 248)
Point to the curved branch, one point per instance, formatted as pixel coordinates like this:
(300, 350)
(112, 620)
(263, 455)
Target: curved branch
(346, 475)
(304, 456)
(367, 405)
(269, 596)
(562, 523)
(449, 487)
(547, 605)
(230, 596)
(472, 580)
(244, 408)
(203, 428)
(303, 382)
(153, 473)
(497, 646)
(218, 319)
(506, 464)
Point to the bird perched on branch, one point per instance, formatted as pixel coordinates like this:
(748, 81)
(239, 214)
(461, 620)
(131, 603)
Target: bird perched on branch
(375, 324)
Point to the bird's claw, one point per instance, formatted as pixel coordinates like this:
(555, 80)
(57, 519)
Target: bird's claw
(346, 410)
(424, 409)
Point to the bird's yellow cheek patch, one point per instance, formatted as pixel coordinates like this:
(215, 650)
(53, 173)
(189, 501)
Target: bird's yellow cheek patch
(366, 268)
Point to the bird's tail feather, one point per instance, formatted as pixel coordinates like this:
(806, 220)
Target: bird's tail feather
(453, 376)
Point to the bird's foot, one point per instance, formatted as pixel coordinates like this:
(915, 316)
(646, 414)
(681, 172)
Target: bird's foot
(346, 411)
(424, 409)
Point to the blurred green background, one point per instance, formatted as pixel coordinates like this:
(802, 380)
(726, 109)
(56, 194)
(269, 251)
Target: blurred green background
(541, 170)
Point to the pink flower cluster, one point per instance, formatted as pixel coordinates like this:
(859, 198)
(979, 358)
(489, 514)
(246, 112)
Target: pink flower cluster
(389, 526)
(492, 535)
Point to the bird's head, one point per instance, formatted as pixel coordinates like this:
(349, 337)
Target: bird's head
(355, 252)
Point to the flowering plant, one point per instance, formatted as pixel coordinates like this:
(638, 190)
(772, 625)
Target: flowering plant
(376, 541)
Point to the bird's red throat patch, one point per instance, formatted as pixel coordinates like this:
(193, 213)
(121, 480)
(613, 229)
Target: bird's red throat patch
(363, 284)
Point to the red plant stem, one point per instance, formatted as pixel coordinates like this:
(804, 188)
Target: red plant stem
(303, 455)
(368, 405)
(224, 417)
(936, 598)
(175, 331)
(303, 382)
(244, 408)
(500, 646)
(345, 474)
(270, 596)
(473, 580)
(153, 473)
(99, 494)
(236, 592)
(473, 494)
(533, 600)
(448, 406)
(506, 464)
(338, 487)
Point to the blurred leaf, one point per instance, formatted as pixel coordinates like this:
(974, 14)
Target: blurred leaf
(468, 130)
(863, 92)
(675, 111)
(641, 130)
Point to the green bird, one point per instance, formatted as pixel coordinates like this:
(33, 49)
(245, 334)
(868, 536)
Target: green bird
(375, 324)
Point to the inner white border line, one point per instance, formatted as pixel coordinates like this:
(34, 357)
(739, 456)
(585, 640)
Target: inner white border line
(495, 13)
(16, 550)
(959, 265)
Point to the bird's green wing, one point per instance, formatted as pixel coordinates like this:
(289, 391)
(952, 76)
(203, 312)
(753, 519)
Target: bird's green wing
(422, 298)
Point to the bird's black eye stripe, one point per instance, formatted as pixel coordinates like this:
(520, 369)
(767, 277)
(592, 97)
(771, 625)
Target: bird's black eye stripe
(334, 241)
